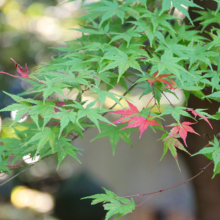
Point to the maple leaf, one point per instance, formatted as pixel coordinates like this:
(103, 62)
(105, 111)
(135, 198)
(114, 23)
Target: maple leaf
(160, 78)
(182, 130)
(172, 143)
(126, 113)
(58, 104)
(141, 122)
(22, 72)
(196, 113)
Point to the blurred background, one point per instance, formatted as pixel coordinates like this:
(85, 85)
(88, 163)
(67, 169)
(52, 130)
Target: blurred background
(28, 32)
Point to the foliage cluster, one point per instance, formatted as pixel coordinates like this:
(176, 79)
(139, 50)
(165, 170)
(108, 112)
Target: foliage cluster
(120, 39)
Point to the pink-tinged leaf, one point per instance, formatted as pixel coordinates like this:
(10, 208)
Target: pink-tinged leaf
(126, 113)
(195, 113)
(132, 107)
(23, 73)
(58, 104)
(155, 74)
(172, 143)
(182, 130)
(160, 78)
(96, 78)
(142, 123)
(173, 131)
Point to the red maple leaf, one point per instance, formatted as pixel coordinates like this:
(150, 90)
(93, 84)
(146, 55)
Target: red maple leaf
(141, 122)
(127, 113)
(182, 130)
(22, 72)
(160, 78)
(195, 113)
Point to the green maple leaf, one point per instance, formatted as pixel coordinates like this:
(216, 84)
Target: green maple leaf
(173, 45)
(93, 114)
(113, 203)
(172, 143)
(114, 133)
(46, 109)
(176, 112)
(103, 94)
(142, 26)
(186, 35)
(201, 53)
(147, 89)
(207, 17)
(158, 19)
(109, 9)
(127, 36)
(3, 166)
(63, 147)
(218, 6)
(51, 88)
(215, 34)
(123, 62)
(170, 63)
(42, 137)
(179, 4)
(212, 153)
(65, 118)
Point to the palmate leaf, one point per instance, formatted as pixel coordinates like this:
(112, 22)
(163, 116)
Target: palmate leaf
(109, 9)
(21, 110)
(172, 44)
(147, 89)
(158, 19)
(115, 134)
(214, 96)
(127, 36)
(125, 113)
(64, 147)
(176, 112)
(45, 109)
(167, 62)
(65, 118)
(94, 114)
(218, 6)
(113, 203)
(207, 17)
(15, 145)
(142, 26)
(212, 152)
(172, 143)
(142, 123)
(181, 129)
(42, 137)
(215, 34)
(3, 166)
(185, 34)
(202, 54)
(179, 4)
(123, 62)
(202, 114)
(51, 88)
(103, 94)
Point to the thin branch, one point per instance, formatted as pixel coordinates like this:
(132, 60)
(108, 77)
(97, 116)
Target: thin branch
(162, 190)
(17, 174)
(22, 171)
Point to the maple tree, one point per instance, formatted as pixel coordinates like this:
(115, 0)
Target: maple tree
(160, 55)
